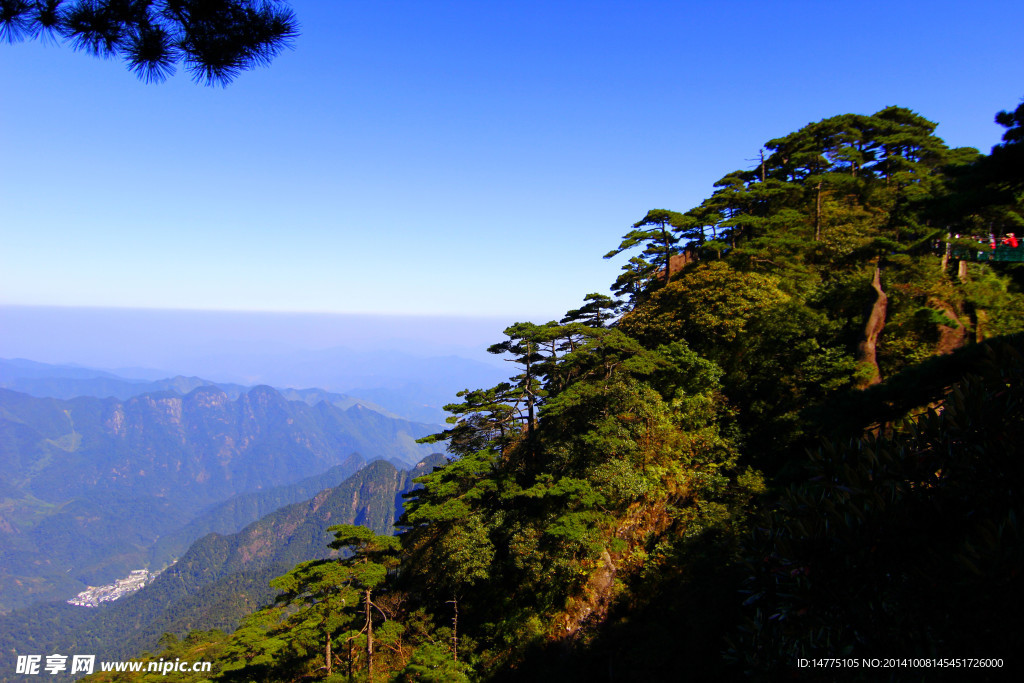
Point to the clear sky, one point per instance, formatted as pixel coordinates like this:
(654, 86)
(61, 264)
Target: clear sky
(437, 157)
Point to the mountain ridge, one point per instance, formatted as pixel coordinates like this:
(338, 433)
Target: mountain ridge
(91, 484)
(44, 380)
(221, 576)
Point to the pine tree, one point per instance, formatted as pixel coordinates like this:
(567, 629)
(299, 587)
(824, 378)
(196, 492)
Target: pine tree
(365, 571)
(657, 233)
(321, 591)
(215, 39)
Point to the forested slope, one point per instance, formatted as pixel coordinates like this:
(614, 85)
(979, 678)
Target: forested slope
(795, 433)
(221, 577)
(88, 485)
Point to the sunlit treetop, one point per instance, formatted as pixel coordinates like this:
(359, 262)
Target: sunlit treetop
(215, 40)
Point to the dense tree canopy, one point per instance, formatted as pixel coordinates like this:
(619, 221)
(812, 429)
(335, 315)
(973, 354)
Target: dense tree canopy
(215, 40)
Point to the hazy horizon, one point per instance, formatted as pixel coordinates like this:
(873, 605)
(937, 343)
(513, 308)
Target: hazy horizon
(183, 341)
(411, 365)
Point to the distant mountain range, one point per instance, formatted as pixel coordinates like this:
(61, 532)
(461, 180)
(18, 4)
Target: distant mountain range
(412, 386)
(44, 380)
(220, 577)
(89, 486)
(400, 384)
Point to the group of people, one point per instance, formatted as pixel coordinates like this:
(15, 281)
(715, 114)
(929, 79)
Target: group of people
(1004, 248)
(1008, 240)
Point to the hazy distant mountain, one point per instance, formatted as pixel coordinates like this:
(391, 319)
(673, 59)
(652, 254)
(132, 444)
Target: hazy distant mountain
(413, 386)
(395, 383)
(410, 365)
(67, 382)
(219, 578)
(90, 484)
(44, 380)
(21, 368)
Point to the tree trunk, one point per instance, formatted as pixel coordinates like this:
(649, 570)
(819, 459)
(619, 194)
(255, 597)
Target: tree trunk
(947, 253)
(327, 653)
(817, 216)
(961, 271)
(369, 639)
(668, 253)
(867, 349)
(455, 628)
(529, 403)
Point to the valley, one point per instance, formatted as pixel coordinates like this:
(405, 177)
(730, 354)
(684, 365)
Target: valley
(95, 487)
(220, 577)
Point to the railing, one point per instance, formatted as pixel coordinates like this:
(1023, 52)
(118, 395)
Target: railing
(1003, 252)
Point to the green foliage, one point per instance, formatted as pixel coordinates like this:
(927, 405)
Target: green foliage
(215, 41)
(197, 646)
(658, 232)
(998, 303)
(253, 650)
(623, 431)
(323, 603)
(599, 310)
(708, 307)
(431, 663)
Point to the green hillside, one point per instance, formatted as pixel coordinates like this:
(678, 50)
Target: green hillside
(88, 485)
(237, 512)
(220, 578)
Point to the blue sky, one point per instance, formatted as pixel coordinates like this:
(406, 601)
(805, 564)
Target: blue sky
(446, 158)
